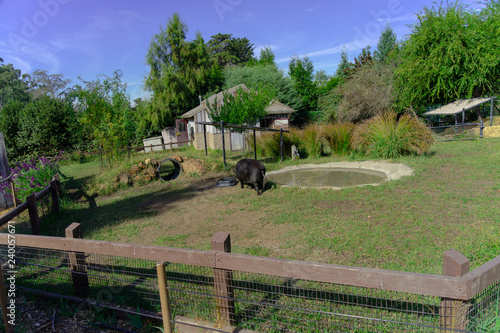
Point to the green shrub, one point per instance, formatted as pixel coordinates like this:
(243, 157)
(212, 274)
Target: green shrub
(387, 137)
(338, 136)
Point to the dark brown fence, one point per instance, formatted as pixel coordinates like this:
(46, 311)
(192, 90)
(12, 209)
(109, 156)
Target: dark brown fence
(218, 290)
(30, 204)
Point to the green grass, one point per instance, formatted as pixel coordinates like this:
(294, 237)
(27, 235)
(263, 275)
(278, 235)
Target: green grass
(452, 201)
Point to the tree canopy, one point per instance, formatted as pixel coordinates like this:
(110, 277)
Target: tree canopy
(386, 43)
(453, 52)
(179, 71)
(224, 49)
(12, 85)
(245, 107)
(40, 83)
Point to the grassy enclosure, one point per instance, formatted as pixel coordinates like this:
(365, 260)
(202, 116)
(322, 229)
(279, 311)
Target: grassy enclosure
(452, 201)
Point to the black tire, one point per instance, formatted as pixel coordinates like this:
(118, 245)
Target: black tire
(227, 182)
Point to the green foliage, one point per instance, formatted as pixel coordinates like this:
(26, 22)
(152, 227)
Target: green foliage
(338, 137)
(453, 52)
(385, 136)
(386, 44)
(344, 65)
(179, 72)
(12, 85)
(46, 126)
(268, 75)
(105, 110)
(302, 73)
(9, 125)
(224, 49)
(32, 177)
(244, 107)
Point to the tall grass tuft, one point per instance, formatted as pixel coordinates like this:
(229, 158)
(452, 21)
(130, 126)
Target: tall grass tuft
(385, 136)
(268, 144)
(311, 139)
(338, 136)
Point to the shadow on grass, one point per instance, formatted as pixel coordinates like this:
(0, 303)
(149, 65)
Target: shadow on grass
(94, 216)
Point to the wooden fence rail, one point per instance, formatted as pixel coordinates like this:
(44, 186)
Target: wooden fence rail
(456, 286)
(54, 189)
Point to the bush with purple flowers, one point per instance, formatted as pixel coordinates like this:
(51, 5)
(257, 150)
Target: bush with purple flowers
(31, 177)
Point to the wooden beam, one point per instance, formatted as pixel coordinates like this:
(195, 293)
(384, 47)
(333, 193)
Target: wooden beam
(146, 252)
(417, 283)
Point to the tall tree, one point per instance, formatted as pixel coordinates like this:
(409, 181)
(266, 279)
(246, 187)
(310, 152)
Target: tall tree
(386, 44)
(40, 83)
(302, 73)
(224, 49)
(104, 109)
(179, 71)
(453, 52)
(344, 65)
(12, 85)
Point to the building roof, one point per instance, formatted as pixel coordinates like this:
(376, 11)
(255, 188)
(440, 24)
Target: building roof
(219, 96)
(275, 108)
(458, 106)
(278, 108)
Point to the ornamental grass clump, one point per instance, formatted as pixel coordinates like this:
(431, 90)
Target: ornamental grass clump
(385, 136)
(311, 140)
(32, 177)
(338, 137)
(268, 144)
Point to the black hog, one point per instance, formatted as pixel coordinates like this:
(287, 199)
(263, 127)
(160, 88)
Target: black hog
(251, 172)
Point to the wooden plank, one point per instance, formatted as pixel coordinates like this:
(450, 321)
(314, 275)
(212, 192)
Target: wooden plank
(42, 193)
(417, 283)
(5, 218)
(484, 276)
(146, 252)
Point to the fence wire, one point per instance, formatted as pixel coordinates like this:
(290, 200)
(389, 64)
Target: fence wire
(262, 303)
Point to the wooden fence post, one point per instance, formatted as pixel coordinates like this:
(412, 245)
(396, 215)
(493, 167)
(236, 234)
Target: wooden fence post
(77, 264)
(4, 300)
(453, 313)
(223, 281)
(55, 197)
(166, 313)
(33, 212)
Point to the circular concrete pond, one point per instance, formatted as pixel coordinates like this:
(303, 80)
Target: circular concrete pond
(337, 175)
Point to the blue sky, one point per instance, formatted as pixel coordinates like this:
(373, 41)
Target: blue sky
(90, 37)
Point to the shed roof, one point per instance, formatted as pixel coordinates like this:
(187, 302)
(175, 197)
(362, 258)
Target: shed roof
(458, 106)
(275, 108)
(219, 96)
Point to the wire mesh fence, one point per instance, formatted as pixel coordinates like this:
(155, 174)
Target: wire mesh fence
(258, 302)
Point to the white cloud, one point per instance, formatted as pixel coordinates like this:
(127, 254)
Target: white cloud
(404, 18)
(311, 9)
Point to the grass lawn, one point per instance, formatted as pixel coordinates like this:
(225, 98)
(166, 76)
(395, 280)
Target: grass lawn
(452, 201)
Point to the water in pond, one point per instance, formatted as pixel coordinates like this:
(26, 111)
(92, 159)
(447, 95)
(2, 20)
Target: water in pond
(331, 177)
